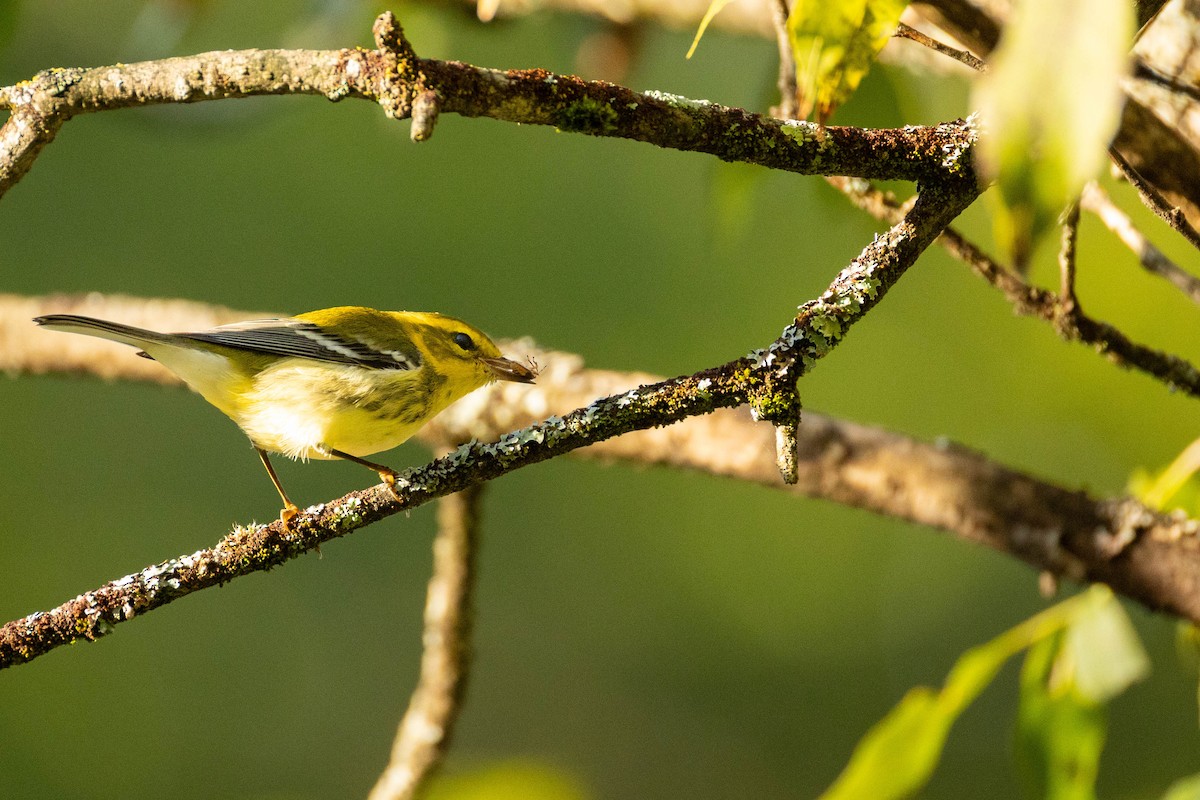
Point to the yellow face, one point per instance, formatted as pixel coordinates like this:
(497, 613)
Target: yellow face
(460, 353)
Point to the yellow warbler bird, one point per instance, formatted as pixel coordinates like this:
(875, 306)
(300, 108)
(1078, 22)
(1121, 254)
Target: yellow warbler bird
(341, 382)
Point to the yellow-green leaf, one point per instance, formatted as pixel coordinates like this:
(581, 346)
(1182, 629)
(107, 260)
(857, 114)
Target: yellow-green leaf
(1173, 486)
(1059, 732)
(834, 43)
(1187, 647)
(1102, 651)
(1050, 105)
(714, 8)
(898, 755)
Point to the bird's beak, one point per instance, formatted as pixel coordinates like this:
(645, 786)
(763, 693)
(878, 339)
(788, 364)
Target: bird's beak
(504, 369)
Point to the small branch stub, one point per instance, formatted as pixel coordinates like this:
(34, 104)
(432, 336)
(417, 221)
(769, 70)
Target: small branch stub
(403, 81)
(389, 36)
(424, 115)
(787, 453)
(781, 407)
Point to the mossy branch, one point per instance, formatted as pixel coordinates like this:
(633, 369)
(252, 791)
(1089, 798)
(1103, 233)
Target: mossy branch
(812, 335)
(395, 78)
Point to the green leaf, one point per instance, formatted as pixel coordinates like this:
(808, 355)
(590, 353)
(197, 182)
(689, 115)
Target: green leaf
(834, 43)
(714, 8)
(1103, 650)
(1173, 486)
(898, 755)
(1050, 106)
(1065, 682)
(1059, 732)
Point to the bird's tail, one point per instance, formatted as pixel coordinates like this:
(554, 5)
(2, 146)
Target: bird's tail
(114, 331)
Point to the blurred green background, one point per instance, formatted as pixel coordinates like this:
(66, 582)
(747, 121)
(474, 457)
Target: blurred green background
(640, 633)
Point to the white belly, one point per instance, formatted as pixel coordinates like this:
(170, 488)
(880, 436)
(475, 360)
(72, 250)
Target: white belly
(303, 410)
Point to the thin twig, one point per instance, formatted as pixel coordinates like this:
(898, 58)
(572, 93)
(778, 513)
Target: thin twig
(1175, 372)
(1153, 260)
(787, 60)
(904, 31)
(424, 732)
(1147, 10)
(1172, 83)
(1068, 303)
(1154, 200)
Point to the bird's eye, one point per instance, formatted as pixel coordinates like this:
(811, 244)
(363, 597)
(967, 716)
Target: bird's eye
(464, 341)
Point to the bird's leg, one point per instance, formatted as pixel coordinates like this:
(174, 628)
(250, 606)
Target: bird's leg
(290, 509)
(387, 474)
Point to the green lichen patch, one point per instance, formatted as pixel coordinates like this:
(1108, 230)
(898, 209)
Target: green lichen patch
(587, 115)
(800, 131)
(59, 80)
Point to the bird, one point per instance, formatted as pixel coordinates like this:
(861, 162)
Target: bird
(336, 383)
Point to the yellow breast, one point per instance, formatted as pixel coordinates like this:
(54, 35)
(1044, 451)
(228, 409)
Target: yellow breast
(303, 409)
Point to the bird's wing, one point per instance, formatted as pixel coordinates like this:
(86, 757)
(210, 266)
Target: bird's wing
(299, 339)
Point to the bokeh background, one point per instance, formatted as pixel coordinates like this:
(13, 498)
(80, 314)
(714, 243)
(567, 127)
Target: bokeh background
(640, 633)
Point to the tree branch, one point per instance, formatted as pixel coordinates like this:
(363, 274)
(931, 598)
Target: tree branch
(904, 31)
(1147, 556)
(1175, 372)
(1157, 146)
(424, 732)
(394, 77)
(1150, 557)
(1068, 302)
(765, 379)
(787, 61)
(1154, 200)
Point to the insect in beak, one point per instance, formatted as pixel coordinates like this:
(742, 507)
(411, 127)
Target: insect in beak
(507, 370)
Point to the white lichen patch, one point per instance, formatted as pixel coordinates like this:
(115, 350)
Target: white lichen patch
(628, 399)
(803, 131)
(676, 100)
(956, 151)
(115, 79)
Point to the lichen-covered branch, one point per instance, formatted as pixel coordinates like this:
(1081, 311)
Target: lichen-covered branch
(1154, 137)
(395, 78)
(764, 379)
(424, 732)
(1150, 557)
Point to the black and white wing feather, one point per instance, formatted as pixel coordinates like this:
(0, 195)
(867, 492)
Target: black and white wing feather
(300, 339)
